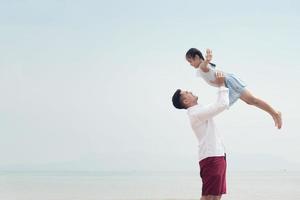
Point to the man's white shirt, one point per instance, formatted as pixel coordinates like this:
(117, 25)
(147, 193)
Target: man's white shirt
(210, 142)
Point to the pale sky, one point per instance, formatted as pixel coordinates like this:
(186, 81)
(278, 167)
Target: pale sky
(87, 85)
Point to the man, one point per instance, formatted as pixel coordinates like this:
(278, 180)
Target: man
(211, 151)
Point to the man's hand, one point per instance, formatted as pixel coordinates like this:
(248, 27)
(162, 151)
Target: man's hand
(219, 79)
(208, 56)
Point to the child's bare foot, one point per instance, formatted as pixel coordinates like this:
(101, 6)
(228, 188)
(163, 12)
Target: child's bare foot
(277, 119)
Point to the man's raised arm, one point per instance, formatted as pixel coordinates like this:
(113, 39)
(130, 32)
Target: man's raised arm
(222, 102)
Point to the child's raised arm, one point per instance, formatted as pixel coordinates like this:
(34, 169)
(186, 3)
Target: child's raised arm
(208, 58)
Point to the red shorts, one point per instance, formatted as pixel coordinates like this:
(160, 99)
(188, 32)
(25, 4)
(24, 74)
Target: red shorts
(213, 174)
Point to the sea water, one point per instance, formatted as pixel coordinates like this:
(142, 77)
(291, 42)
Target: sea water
(87, 185)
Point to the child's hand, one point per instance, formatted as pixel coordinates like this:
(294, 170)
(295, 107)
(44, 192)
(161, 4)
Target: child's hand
(208, 56)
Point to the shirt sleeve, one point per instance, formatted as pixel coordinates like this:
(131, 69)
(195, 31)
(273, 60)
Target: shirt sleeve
(211, 110)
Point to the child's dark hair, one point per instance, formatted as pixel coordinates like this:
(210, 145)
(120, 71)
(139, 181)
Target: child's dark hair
(192, 52)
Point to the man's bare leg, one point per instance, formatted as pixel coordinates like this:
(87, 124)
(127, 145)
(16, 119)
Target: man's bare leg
(211, 197)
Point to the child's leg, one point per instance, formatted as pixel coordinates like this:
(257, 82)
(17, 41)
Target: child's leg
(247, 97)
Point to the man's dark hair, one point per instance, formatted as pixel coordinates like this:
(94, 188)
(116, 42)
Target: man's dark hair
(177, 100)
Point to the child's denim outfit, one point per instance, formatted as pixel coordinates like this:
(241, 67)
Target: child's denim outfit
(235, 85)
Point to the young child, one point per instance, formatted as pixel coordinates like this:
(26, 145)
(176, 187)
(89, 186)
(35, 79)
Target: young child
(237, 89)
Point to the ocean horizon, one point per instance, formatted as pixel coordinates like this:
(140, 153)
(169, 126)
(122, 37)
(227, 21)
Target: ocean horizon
(143, 185)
